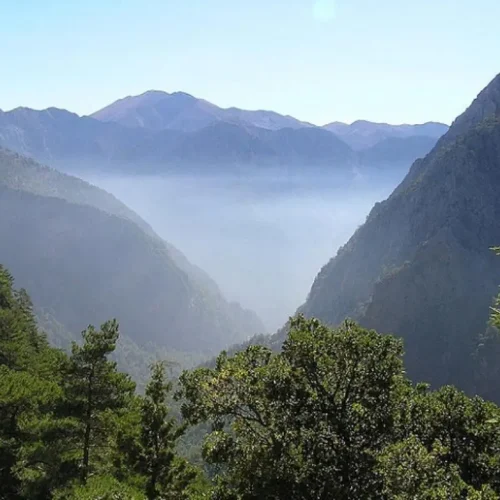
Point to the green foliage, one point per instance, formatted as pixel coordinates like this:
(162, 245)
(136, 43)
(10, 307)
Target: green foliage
(100, 488)
(153, 454)
(333, 416)
(29, 383)
(71, 426)
(410, 470)
(95, 391)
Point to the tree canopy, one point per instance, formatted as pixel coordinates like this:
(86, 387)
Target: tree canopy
(331, 416)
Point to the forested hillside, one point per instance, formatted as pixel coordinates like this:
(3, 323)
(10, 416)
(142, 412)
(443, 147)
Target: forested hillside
(421, 266)
(331, 416)
(86, 257)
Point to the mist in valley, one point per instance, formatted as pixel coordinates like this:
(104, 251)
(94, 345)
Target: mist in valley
(262, 235)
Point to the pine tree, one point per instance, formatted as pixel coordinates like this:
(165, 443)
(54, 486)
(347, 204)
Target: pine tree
(29, 385)
(94, 390)
(166, 474)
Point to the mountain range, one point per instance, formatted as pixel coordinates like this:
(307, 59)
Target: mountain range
(363, 134)
(159, 132)
(421, 266)
(157, 110)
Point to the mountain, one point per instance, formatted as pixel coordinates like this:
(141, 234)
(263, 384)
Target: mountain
(223, 143)
(85, 258)
(156, 110)
(397, 151)
(57, 136)
(363, 134)
(73, 143)
(68, 141)
(421, 265)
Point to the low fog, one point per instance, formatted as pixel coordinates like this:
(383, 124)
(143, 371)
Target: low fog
(262, 236)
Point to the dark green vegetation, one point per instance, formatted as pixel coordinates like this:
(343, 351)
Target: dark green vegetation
(332, 416)
(85, 257)
(158, 132)
(420, 267)
(71, 425)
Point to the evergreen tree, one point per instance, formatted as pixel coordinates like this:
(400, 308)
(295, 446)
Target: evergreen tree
(162, 472)
(94, 392)
(29, 389)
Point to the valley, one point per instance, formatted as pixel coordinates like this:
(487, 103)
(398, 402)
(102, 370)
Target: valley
(261, 236)
(250, 252)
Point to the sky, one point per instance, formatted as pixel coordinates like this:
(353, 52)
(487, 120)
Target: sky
(395, 61)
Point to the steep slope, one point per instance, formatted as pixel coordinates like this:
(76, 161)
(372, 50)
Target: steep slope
(156, 110)
(397, 151)
(420, 266)
(83, 264)
(363, 134)
(24, 174)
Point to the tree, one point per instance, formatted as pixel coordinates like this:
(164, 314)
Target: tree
(410, 470)
(333, 416)
(152, 452)
(94, 392)
(304, 423)
(29, 386)
(100, 487)
(465, 429)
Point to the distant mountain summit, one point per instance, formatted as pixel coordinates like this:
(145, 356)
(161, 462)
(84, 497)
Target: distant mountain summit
(156, 110)
(421, 266)
(363, 134)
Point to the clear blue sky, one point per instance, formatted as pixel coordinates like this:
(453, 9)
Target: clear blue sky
(384, 60)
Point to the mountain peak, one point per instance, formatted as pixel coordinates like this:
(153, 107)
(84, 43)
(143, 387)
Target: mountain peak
(420, 267)
(486, 105)
(51, 112)
(179, 93)
(158, 110)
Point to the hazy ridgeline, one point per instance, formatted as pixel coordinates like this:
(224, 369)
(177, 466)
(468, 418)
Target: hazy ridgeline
(261, 234)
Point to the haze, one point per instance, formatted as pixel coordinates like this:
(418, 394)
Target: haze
(261, 236)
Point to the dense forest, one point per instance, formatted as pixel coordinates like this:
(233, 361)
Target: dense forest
(332, 415)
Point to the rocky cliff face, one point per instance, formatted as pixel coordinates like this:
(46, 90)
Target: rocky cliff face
(421, 265)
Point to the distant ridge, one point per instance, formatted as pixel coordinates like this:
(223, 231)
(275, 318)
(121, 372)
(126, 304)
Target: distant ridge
(68, 141)
(158, 132)
(157, 110)
(363, 134)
